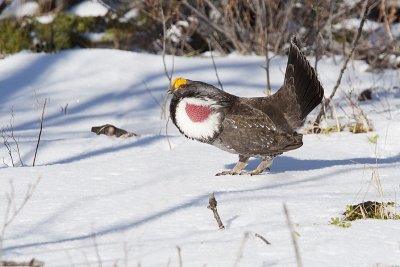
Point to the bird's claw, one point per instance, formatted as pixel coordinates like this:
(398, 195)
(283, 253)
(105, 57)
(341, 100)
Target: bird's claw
(257, 171)
(251, 173)
(231, 172)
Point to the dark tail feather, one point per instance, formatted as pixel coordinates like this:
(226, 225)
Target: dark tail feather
(308, 89)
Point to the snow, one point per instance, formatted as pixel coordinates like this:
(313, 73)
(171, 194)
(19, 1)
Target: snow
(131, 14)
(88, 9)
(20, 9)
(45, 19)
(354, 23)
(95, 36)
(136, 200)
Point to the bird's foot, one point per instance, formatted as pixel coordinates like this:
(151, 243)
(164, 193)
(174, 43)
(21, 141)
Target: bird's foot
(231, 172)
(258, 171)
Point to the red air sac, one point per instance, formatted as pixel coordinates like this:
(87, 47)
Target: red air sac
(197, 113)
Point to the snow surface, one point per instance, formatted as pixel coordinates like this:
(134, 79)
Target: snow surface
(354, 23)
(45, 19)
(88, 9)
(20, 9)
(142, 200)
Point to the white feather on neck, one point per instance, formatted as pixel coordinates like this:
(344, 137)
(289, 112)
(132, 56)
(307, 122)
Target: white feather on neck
(197, 130)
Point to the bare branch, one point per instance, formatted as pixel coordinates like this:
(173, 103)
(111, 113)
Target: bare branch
(283, 28)
(151, 94)
(215, 66)
(167, 74)
(386, 21)
(367, 8)
(8, 146)
(16, 142)
(265, 45)
(166, 133)
(205, 19)
(40, 132)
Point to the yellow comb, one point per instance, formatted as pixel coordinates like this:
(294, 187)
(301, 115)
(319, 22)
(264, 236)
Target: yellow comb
(178, 82)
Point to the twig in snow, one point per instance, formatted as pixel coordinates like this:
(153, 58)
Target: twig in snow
(96, 249)
(213, 206)
(241, 249)
(166, 133)
(179, 256)
(13, 210)
(31, 263)
(262, 238)
(86, 259)
(215, 66)
(8, 146)
(40, 132)
(70, 261)
(127, 248)
(6, 134)
(63, 109)
(367, 8)
(13, 136)
(293, 235)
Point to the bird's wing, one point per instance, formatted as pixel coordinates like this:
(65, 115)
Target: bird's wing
(249, 131)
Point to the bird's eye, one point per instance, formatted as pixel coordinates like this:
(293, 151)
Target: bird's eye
(178, 82)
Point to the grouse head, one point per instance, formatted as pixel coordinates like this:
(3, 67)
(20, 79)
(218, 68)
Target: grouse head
(198, 109)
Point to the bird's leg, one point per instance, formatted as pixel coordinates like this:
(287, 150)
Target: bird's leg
(262, 166)
(238, 169)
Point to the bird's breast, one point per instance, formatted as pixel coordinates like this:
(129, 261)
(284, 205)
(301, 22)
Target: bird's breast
(197, 113)
(198, 118)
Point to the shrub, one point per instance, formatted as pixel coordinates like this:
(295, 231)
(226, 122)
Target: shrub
(14, 37)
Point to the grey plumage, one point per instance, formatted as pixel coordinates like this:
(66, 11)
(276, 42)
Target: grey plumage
(262, 127)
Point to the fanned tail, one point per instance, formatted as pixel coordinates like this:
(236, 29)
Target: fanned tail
(307, 88)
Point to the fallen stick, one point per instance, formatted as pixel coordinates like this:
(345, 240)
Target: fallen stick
(111, 130)
(213, 206)
(31, 263)
(262, 238)
(293, 236)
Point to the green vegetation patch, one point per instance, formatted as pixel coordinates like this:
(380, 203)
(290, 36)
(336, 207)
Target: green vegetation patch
(14, 37)
(64, 32)
(367, 210)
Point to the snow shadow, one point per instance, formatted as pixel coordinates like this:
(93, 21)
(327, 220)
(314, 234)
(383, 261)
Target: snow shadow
(285, 163)
(142, 141)
(113, 229)
(201, 199)
(78, 112)
(26, 76)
